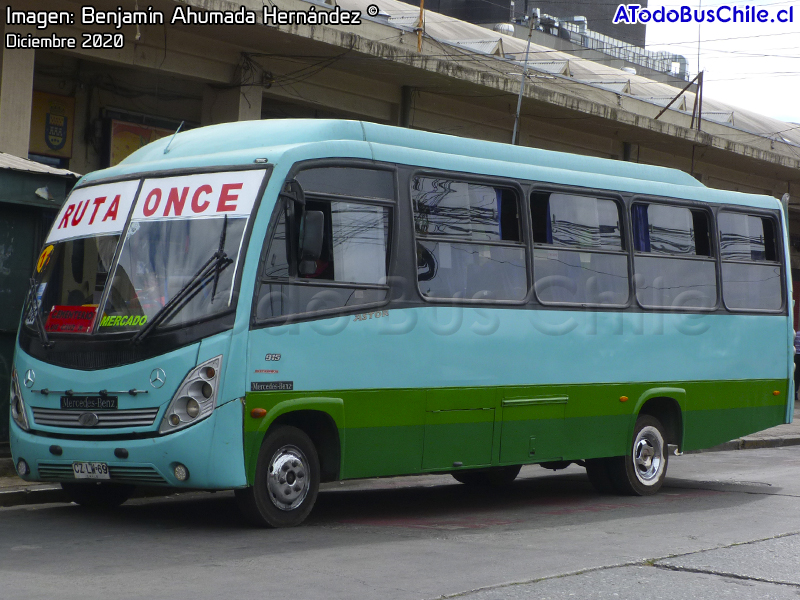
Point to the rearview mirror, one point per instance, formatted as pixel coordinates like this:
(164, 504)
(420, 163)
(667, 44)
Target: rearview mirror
(312, 229)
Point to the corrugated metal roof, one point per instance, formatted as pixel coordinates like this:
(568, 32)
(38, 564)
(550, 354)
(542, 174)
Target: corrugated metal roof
(621, 87)
(679, 104)
(405, 20)
(721, 116)
(485, 46)
(447, 30)
(15, 163)
(555, 67)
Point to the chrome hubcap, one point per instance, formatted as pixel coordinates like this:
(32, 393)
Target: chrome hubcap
(287, 480)
(648, 455)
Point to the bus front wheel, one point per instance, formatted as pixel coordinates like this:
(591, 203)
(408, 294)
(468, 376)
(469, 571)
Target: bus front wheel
(643, 470)
(98, 495)
(286, 481)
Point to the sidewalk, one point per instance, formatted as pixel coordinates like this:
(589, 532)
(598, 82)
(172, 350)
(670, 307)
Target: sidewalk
(14, 491)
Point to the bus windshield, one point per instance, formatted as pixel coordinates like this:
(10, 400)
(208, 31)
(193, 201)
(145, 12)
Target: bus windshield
(72, 274)
(164, 230)
(158, 259)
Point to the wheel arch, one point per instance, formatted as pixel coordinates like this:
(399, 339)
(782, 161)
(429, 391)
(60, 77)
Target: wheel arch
(322, 430)
(667, 405)
(322, 419)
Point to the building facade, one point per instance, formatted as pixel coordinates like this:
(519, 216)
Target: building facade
(87, 108)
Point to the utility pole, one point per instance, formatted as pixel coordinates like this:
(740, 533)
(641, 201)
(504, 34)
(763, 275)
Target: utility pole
(420, 25)
(698, 101)
(523, 79)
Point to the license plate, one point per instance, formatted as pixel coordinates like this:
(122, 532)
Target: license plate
(90, 470)
(89, 402)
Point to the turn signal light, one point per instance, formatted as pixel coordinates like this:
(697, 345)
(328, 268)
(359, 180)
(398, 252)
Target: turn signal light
(623, 398)
(776, 393)
(258, 413)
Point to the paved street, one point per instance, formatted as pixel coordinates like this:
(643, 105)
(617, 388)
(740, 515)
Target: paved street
(726, 525)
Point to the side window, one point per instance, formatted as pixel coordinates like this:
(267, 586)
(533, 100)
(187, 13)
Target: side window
(325, 255)
(468, 240)
(751, 271)
(578, 256)
(673, 264)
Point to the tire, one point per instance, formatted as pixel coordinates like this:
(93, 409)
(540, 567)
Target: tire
(286, 483)
(98, 496)
(643, 470)
(488, 477)
(597, 469)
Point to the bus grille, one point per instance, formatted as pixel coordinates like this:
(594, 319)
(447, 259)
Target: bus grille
(124, 474)
(137, 417)
(93, 359)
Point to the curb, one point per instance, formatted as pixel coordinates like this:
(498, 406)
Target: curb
(752, 443)
(33, 495)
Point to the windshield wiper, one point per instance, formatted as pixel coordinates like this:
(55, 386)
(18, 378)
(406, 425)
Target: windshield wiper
(220, 250)
(33, 305)
(209, 272)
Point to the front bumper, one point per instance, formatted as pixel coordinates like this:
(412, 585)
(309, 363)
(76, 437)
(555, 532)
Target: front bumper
(211, 450)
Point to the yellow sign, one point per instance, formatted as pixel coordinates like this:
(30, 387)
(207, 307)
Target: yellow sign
(52, 125)
(44, 258)
(127, 138)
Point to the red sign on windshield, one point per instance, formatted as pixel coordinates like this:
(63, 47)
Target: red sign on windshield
(70, 319)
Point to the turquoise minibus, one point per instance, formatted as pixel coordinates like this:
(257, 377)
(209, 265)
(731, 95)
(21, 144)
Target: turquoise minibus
(265, 306)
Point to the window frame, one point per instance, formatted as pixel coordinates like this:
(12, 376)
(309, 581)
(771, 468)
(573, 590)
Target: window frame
(512, 185)
(713, 244)
(280, 206)
(780, 252)
(625, 237)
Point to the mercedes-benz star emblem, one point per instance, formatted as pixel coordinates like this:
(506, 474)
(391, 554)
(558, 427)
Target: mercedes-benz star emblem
(87, 420)
(30, 377)
(158, 378)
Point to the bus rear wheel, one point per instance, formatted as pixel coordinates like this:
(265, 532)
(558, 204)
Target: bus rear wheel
(643, 470)
(488, 477)
(287, 480)
(98, 496)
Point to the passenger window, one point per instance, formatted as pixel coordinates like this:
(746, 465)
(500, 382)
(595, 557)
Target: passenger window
(747, 238)
(751, 272)
(676, 230)
(578, 255)
(468, 240)
(673, 264)
(571, 221)
(335, 255)
(462, 210)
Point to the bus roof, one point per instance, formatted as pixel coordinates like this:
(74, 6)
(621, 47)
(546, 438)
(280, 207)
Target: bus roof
(244, 142)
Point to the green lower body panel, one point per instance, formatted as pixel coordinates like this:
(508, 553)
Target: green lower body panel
(458, 438)
(386, 432)
(382, 451)
(706, 428)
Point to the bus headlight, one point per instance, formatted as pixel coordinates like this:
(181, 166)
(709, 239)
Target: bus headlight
(18, 412)
(195, 399)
